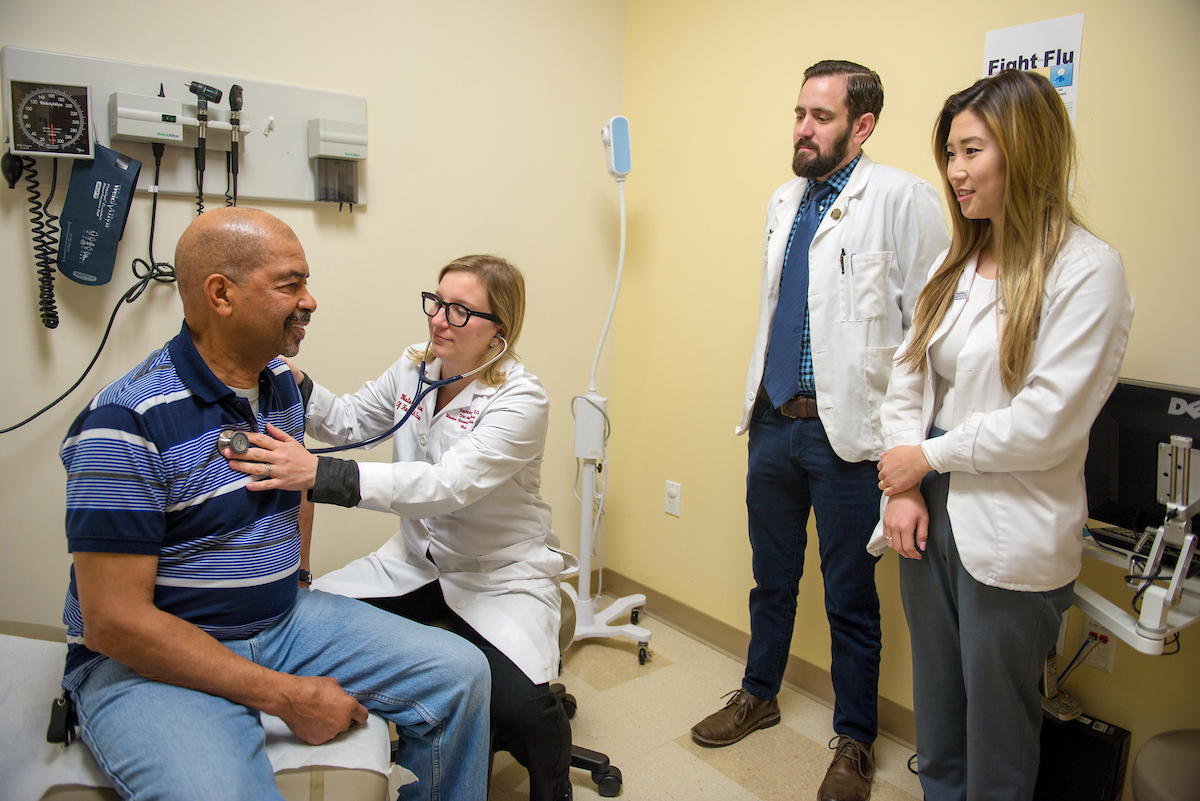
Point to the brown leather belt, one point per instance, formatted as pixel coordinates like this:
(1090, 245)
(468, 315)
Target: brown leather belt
(800, 407)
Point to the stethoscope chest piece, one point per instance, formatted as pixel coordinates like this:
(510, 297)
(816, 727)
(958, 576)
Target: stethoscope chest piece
(235, 440)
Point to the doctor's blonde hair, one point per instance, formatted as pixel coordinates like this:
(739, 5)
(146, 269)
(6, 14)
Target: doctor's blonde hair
(505, 288)
(1027, 117)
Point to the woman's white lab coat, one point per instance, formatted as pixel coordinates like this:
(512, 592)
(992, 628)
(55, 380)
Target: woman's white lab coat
(1017, 501)
(466, 484)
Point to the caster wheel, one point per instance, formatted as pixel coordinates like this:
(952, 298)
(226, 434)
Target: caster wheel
(635, 615)
(608, 784)
(569, 705)
(643, 653)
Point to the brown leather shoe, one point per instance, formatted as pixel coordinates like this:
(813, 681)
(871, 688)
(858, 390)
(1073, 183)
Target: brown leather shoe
(743, 714)
(850, 773)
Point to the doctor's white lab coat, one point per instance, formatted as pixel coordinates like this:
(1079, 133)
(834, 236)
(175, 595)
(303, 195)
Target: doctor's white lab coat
(466, 484)
(867, 264)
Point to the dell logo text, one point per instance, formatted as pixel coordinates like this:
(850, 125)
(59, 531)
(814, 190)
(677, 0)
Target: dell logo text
(1180, 406)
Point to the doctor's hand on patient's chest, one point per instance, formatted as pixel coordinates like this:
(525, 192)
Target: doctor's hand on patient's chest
(276, 461)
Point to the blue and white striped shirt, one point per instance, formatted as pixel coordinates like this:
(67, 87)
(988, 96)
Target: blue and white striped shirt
(144, 477)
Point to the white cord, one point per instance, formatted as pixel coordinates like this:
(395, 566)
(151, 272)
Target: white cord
(598, 505)
(598, 551)
(598, 510)
(597, 539)
(597, 407)
(616, 289)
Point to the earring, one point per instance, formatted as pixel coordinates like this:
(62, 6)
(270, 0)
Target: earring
(494, 344)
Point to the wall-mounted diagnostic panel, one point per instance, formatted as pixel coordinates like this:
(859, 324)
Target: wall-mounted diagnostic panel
(60, 105)
(50, 119)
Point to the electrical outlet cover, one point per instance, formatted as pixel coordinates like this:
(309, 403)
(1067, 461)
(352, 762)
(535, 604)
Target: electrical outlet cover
(673, 492)
(1100, 657)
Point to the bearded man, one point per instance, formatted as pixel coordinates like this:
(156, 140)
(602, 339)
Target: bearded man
(848, 245)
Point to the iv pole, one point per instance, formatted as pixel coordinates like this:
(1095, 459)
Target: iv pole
(591, 436)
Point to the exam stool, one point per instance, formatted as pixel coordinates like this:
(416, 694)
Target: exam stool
(31, 664)
(1167, 767)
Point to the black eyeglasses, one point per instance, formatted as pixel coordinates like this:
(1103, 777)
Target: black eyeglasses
(456, 313)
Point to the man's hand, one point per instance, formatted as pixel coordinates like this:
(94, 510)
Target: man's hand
(317, 709)
(277, 461)
(116, 594)
(906, 523)
(901, 468)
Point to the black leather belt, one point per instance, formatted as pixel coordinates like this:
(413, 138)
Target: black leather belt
(800, 407)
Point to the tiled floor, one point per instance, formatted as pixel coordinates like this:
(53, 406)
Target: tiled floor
(640, 717)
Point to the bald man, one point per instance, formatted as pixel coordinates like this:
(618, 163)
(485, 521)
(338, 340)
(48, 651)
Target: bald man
(184, 614)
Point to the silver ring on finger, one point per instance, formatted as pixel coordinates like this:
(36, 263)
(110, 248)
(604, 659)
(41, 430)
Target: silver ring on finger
(267, 477)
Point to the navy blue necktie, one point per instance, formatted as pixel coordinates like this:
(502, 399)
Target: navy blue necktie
(782, 374)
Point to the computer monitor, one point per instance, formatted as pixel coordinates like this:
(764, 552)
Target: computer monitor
(1122, 462)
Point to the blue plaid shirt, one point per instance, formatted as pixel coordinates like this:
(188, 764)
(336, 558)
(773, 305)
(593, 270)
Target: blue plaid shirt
(808, 384)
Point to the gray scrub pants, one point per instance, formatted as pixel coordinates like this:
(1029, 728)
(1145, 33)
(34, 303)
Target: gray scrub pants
(977, 653)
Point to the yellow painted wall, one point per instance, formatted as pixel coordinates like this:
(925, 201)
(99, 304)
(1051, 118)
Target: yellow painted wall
(709, 91)
(484, 123)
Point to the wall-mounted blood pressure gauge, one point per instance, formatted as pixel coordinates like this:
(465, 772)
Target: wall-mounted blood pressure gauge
(51, 120)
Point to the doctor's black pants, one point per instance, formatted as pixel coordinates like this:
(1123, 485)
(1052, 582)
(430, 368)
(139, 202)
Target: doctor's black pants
(528, 720)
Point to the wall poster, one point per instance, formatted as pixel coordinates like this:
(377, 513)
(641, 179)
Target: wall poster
(1051, 47)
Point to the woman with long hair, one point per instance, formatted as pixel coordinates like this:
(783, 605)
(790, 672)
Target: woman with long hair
(1016, 342)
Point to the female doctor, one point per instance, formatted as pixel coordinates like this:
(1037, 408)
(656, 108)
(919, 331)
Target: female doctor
(1016, 343)
(475, 545)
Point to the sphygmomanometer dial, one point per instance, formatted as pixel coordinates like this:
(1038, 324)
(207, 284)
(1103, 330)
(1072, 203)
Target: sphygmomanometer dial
(50, 120)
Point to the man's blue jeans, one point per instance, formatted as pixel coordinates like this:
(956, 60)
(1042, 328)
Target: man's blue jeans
(157, 741)
(794, 469)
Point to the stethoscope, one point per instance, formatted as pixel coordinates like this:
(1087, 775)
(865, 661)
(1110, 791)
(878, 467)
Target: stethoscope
(239, 443)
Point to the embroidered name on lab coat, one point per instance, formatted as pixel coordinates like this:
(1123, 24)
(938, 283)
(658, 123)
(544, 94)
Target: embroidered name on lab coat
(466, 418)
(403, 404)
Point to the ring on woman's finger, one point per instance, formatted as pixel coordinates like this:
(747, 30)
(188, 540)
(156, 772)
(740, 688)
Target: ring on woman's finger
(889, 539)
(268, 473)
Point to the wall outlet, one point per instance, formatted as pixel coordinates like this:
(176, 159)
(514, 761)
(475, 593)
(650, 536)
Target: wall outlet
(1101, 656)
(673, 491)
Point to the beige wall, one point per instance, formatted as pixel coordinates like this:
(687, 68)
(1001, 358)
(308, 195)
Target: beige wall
(484, 122)
(709, 90)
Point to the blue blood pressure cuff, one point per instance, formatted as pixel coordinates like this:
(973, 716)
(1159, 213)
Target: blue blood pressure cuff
(94, 215)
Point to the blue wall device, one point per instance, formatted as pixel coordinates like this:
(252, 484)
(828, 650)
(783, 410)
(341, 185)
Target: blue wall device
(615, 136)
(94, 214)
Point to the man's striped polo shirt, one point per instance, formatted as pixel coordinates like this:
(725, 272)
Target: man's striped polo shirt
(144, 477)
